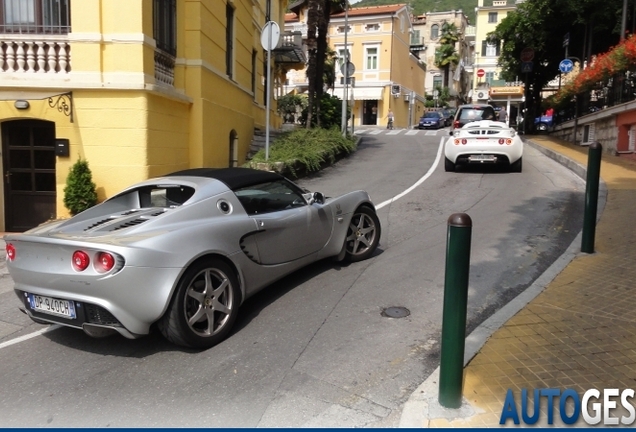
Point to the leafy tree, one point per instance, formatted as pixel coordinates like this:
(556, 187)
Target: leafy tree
(80, 192)
(446, 54)
(330, 112)
(290, 105)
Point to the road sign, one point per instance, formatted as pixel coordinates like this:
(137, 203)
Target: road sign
(351, 69)
(527, 54)
(566, 39)
(526, 67)
(566, 65)
(270, 35)
(481, 73)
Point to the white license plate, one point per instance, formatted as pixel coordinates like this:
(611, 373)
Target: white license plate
(52, 306)
(482, 158)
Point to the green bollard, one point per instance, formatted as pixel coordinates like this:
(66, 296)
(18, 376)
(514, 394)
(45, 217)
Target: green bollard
(451, 377)
(591, 197)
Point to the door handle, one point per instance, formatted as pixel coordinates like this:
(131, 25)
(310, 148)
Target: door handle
(7, 176)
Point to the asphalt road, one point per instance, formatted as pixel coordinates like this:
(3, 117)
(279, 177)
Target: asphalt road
(314, 349)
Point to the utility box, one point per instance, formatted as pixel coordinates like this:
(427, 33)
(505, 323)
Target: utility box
(62, 147)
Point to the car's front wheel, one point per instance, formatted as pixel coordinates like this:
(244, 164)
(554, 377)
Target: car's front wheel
(449, 166)
(363, 235)
(204, 306)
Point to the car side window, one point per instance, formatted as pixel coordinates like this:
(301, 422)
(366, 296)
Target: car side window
(270, 197)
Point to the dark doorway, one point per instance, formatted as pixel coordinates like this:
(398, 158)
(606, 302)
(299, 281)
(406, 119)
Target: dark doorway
(370, 112)
(29, 173)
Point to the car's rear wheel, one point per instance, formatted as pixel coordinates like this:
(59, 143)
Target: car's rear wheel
(542, 127)
(363, 234)
(448, 165)
(204, 306)
(516, 166)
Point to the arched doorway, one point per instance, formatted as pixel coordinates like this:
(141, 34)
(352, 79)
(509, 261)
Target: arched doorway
(29, 173)
(233, 149)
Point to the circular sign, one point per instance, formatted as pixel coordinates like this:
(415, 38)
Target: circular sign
(481, 73)
(566, 66)
(527, 54)
(351, 69)
(270, 35)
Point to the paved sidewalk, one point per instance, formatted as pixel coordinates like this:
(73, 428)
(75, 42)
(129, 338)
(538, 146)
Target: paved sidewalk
(579, 332)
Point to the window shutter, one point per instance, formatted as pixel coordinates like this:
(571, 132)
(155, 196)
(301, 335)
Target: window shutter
(483, 48)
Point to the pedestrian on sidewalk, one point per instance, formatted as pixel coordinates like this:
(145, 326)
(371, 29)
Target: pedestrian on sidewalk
(391, 118)
(503, 115)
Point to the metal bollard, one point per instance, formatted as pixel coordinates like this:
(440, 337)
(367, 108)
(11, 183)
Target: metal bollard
(455, 306)
(591, 197)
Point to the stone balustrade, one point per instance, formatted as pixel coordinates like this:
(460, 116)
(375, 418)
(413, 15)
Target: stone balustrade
(29, 55)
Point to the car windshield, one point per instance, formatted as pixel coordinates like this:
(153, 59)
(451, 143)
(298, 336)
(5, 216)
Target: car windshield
(477, 113)
(431, 115)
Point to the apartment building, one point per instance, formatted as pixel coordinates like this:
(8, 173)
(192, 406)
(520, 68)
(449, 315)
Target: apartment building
(137, 88)
(427, 30)
(386, 74)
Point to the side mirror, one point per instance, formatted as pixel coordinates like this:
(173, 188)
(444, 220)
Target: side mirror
(319, 198)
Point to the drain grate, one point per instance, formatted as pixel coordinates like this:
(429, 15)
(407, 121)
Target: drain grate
(396, 312)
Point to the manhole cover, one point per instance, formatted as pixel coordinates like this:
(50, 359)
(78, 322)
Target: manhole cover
(396, 312)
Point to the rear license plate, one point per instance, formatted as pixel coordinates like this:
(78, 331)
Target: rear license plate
(52, 306)
(482, 158)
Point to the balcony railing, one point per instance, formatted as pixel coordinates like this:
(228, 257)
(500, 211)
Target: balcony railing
(164, 67)
(40, 54)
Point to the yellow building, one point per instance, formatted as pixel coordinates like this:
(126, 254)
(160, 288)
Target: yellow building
(387, 75)
(138, 88)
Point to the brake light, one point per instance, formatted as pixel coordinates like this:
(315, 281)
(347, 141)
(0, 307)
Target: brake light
(456, 124)
(104, 262)
(10, 251)
(464, 141)
(509, 141)
(80, 260)
(502, 141)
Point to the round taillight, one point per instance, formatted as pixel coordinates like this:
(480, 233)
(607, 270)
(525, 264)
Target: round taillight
(456, 141)
(502, 141)
(80, 260)
(508, 141)
(104, 262)
(464, 141)
(10, 252)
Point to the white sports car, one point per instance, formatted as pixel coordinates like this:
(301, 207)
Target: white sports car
(484, 142)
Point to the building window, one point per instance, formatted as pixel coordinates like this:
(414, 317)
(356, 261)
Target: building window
(371, 54)
(489, 49)
(492, 17)
(254, 56)
(434, 31)
(229, 39)
(35, 16)
(343, 55)
(164, 25)
(415, 38)
(490, 76)
(372, 27)
(341, 29)
(437, 82)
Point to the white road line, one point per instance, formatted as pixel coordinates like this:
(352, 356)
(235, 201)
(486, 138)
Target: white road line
(420, 181)
(379, 206)
(375, 132)
(394, 132)
(29, 336)
(431, 132)
(411, 132)
(359, 132)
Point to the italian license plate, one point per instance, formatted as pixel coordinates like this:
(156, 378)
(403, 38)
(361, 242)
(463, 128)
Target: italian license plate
(52, 306)
(483, 158)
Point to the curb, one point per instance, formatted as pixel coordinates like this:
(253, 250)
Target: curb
(423, 401)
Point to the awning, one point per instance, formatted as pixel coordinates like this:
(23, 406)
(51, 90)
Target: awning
(360, 93)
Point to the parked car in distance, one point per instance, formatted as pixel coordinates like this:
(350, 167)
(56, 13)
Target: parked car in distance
(470, 113)
(543, 123)
(182, 252)
(448, 116)
(432, 120)
(484, 142)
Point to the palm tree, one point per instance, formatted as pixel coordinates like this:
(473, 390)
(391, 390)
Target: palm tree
(446, 55)
(329, 74)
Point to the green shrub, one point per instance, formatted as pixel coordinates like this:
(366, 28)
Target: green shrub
(306, 148)
(80, 192)
(330, 112)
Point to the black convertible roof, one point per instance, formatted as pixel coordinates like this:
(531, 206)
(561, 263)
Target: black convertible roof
(234, 178)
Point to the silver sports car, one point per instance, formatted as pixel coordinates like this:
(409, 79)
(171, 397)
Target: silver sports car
(182, 252)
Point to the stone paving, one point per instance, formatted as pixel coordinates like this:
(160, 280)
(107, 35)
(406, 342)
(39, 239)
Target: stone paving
(580, 332)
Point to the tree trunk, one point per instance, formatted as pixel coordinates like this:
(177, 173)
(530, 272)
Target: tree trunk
(313, 10)
(323, 29)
